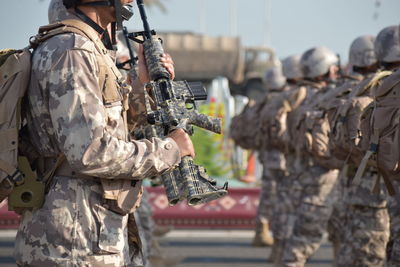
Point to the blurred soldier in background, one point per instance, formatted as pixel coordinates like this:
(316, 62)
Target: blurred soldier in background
(283, 208)
(387, 48)
(273, 162)
(319, 183)
(366, 224)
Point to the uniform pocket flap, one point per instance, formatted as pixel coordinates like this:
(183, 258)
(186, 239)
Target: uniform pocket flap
(112, 234)
(9, 139)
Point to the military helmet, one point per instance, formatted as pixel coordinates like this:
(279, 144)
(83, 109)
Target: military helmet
(57, 11)
(387, 44)
(291, 67)
(317, 61)
(274, 78)
(362, 51)
(122, 12)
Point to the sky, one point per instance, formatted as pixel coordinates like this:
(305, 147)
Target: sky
(289, 26)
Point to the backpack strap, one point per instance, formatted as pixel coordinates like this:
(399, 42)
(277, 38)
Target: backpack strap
(373, 149)
(78, 27)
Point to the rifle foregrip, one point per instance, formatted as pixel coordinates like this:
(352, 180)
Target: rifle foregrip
(212, 124)
(152, 53)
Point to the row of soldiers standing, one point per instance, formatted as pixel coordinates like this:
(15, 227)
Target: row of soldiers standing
(329, 145)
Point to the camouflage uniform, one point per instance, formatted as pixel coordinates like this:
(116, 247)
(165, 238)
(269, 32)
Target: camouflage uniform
(68, 113)
(366, 227)
(145, 223)
(366, 222)
(318, 194)
(393, 246)
(274, 165)
(288, 188)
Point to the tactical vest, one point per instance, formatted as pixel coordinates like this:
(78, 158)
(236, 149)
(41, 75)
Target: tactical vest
(122, 195)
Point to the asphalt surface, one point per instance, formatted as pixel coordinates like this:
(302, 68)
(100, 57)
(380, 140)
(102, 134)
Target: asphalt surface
(200, 248)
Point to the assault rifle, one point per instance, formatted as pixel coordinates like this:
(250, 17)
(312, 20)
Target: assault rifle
(175, 107)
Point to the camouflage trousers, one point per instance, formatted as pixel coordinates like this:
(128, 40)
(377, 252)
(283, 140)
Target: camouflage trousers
(336, 221)
(268, 195)
(312, 214)
(73, 228)
(145, 223)
(288, 197)
(366, 227)
(393, 247)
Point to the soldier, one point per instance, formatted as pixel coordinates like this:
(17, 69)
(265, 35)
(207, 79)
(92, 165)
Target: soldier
(273, 163)
(283, 208)
(75, 109)
(320, 68)
(387, 48)
(366, 220)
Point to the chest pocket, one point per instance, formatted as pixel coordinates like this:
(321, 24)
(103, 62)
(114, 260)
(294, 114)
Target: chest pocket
(108, 82)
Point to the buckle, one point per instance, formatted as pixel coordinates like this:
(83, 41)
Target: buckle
(17, 178)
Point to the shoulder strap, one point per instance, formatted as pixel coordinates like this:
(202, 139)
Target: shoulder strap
(81, 28)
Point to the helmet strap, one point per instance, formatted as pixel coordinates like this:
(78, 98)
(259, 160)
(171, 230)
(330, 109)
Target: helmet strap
(105, 37)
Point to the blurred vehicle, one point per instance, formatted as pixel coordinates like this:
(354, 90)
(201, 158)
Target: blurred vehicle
(203, 58)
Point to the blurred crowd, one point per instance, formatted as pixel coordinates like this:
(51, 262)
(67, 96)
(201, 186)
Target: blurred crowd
(328, 138)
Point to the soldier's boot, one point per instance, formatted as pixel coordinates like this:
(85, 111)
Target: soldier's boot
(161, 230)
(263, 237)
(276, 253)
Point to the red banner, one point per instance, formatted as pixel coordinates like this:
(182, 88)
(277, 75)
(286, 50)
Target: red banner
(237, 210)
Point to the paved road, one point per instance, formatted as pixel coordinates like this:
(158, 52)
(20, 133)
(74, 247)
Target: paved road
(201, 249)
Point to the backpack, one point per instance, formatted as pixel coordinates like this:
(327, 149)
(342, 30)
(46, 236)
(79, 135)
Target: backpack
(245, 126)
(18, 180)
(312, 127)
(380, 129)
(15, 67)
(273, 127)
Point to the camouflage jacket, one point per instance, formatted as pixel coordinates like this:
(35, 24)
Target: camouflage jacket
(69, 113)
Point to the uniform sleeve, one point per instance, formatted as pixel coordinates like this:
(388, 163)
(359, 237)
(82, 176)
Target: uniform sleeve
(84, 126)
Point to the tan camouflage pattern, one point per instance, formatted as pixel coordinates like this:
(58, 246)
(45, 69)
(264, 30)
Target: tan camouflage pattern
(393, 247)
(316, 185)
(366, 224)
(68, 112)
(312, 215)
(72, 229)
(145, 224)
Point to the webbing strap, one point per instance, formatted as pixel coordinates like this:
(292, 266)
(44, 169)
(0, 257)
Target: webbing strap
(81, 28)
(95, 38)
(372, 150)
(377, 186)
(48, 177)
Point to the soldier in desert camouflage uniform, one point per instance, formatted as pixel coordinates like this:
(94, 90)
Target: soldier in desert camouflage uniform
(73, 112)
(274, 165)
(318, 183)
(366, 223)
(387, 48)
(283, 208)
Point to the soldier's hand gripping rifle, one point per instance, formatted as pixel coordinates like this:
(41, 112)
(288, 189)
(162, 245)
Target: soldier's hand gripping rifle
(175, 108)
